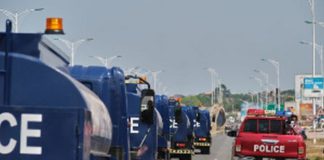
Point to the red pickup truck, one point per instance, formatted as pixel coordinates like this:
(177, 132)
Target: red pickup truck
(264, 137)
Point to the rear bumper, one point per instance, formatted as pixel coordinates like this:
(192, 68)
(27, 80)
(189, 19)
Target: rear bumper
(180, 151)
(241, 157)
(202, 144)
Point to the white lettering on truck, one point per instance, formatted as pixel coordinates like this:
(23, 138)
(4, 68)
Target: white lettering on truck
(269, 149)
(133, 124)
(196, 123)
(25, 133)
(174, 124)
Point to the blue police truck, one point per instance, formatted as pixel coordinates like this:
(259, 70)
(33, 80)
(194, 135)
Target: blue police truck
(145, 121)
(181, 132)
(202, 129)
(109, 85)
(44, 112)
(162, 105)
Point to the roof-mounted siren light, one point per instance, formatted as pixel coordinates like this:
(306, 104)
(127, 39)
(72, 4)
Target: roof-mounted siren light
(255, 112)
(54, 25)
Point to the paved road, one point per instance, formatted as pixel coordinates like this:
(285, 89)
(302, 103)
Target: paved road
(221, 149)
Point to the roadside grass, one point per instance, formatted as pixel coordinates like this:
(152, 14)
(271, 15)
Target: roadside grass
(315, 151)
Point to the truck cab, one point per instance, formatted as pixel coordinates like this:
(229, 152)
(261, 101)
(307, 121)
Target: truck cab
(161, 104)
(202, 129)
(181, 132)
(267, 137)
(144, 120)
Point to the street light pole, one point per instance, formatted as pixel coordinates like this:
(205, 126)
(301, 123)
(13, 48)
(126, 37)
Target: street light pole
(319, 49)
(252, 96)
(155, 74)
(260, 84)
(266, 76)
(276, 64)
(213, 85)
(273, 88)
(73, 46)
(14, 16)
(106, 61)
(210, 70)
(312, 6)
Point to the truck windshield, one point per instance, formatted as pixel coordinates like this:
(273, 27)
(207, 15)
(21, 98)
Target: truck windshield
(263, 126)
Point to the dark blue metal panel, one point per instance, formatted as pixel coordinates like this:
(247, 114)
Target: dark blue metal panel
(35, 45)
(161, 103)
(109, 85)
(202, 129)
(59, 128)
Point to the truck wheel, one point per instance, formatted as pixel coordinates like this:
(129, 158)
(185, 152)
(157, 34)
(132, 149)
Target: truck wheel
(205, 150)
(185, 157)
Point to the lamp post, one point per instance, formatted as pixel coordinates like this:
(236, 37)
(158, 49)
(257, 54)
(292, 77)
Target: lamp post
(73, 46)
(320, 52)
(312, 7)
(155, 78)
(260, 84)
(213, 85)
(266, 85)
(14, 16)
(106, 61)
(276, 64)
(220, 94)
(251, 93)
(272, 88)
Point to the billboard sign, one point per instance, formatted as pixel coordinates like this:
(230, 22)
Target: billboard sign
(313, 86)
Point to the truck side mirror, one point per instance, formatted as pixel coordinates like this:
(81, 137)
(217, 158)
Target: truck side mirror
(198, 117)
(177, 114)
(147, 106)
(232, 133)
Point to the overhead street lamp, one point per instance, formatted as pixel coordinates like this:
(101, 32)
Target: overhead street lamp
(213, 85)
(315, 22)
(259, 81)
(73, 46)
(273, 89)
(213, 75)
(320, 52)
(252, 93)
(321, 24)
(14, 16)
(276, 64)
(106, 61)
(312, 7)
(319, 49)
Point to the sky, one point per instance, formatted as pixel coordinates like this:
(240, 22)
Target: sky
(182, 37)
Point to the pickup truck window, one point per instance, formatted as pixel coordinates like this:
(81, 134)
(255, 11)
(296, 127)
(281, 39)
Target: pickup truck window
(276, 126)
(264, 126)
(250, 125)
